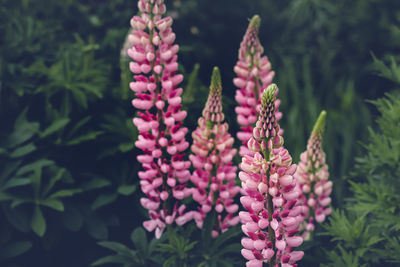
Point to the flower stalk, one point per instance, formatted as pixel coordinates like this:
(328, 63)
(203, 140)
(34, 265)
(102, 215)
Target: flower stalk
(254, 75)
(214, 175)
(312, 176)
(271, 219)
(161, 135)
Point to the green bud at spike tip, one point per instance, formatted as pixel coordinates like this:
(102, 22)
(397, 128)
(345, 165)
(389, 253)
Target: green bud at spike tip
(319, 126)
(269, 94)
(255, 21)
(215, 86)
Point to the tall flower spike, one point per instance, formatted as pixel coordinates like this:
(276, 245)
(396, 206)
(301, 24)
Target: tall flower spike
(272, 217)
(312, 177)
(214, 175)
(161, 135)
(254, 74)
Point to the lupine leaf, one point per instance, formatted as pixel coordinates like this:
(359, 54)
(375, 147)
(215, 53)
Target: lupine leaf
(96, 183)
(53, 203)
(13, 182)
(84, 137)
(14, 249)
(118, 247)
(103, 200)
(23, 151)
(32, 166)
(112, 259)
(72, 219)
(38, 223)
(54, 127)
(126, 190)
(139, 239)
(65, 193)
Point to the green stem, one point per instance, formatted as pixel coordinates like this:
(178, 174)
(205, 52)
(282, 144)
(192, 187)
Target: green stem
(270, 230)
(270, 204)
(160, 116)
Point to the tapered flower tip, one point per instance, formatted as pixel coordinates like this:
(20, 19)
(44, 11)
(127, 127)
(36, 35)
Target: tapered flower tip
(269, 94)
(215, 86)
(255, 21)
(319, 126)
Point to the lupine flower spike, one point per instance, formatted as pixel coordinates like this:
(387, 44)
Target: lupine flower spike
(272, 217)
(312, 177)
(161, 135)
(254, 74)
(214, 175)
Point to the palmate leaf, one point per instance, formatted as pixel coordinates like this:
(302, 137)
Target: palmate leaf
(345, 258)
(38, 173)
(224, 237)
(392, 72)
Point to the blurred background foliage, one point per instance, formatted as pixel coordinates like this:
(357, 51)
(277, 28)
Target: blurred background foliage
(68, 170)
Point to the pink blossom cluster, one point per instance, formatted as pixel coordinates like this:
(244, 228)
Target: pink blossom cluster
(272, 215)
(254, 74)
(312, 177)
(161, 135)
(214, 175)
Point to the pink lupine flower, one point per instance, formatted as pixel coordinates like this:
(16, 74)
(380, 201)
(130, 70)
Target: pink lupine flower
(254, 74)
(214, 175)
(312, 177)
(161, 135)
(272, 216)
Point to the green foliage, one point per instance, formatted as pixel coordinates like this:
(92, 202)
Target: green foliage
(223, 250)
(369, 228)
(61, 143)
(10, 248)
(179, 248)
(142, 255)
